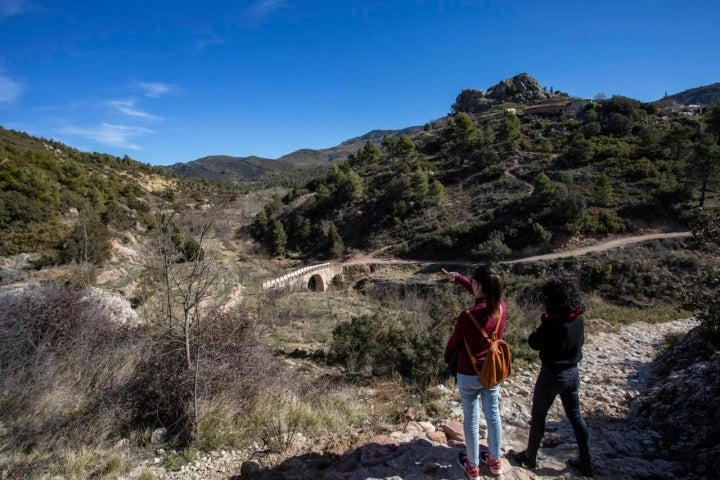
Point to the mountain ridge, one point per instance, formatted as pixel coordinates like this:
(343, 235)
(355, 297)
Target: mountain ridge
(513, 170)
(254, 168)
(521, 89)
(705, 95)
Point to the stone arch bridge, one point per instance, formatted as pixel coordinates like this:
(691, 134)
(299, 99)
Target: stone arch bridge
(318, 277)
(313, 277)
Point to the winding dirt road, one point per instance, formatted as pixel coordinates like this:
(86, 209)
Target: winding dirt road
(368, 258)
(602, 246)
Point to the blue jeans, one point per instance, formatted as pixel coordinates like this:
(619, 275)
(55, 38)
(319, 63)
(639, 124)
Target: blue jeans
(471, 392)
(551, 383)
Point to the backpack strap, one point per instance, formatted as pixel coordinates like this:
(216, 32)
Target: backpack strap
(482, 330)
(473, 360)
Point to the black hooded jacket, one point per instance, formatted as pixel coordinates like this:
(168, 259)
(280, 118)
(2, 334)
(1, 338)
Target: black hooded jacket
(559, 338)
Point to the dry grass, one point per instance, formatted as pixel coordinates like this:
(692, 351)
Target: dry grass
(309, 407)
(74, 381)
(152, 183)
(598, 310)
(307, 319)
(70, 463)
(62, 359)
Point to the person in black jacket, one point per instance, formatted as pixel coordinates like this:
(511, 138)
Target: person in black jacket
(559, 339)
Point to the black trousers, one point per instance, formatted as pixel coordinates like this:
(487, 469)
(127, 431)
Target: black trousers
(551, 383)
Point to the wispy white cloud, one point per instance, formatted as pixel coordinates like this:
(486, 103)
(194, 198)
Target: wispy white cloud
(10, 90)
(127, 107)
(208, 42)
(260, 9)
(154, 89)
(8, 8)
(109, 134)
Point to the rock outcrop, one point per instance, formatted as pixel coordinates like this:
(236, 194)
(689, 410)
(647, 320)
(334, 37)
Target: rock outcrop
(684, 405)
(521, 88)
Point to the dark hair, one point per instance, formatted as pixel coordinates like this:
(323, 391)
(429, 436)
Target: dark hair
(491, 285)
(562, 295)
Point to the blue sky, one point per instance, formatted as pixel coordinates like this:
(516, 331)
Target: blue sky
(173, 81)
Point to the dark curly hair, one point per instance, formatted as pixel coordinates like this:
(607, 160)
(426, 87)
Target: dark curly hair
(562, 295)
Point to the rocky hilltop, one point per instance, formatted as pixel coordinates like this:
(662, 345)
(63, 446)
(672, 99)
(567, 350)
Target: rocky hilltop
(521, 88)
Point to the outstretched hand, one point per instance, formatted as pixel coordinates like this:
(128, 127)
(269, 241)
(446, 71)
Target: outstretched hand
(450, 275)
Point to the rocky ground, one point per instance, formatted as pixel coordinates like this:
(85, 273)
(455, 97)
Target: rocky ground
(617, 373)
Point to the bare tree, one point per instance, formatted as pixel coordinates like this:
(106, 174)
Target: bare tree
(190, 280)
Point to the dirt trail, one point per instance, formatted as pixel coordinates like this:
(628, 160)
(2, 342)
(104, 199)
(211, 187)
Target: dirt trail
(602, 246)
(371, 257)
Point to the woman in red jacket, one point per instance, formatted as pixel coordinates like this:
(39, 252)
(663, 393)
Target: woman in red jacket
(488, 310)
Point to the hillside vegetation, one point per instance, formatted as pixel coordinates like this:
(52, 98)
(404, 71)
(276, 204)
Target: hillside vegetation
(51, 195)
(512, 171)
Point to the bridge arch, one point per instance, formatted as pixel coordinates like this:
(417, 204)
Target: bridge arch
(316, 283)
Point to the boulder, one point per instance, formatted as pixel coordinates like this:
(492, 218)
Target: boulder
(521, 88)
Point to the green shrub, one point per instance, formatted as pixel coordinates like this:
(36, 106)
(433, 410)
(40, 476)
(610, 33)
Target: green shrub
(410, 344)
(522, 319)
(88, 242)
(46, 260)
(493, 249)
(703, 294)
(366, 341)
(602, 220)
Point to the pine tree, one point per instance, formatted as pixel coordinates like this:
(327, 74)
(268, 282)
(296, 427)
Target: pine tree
(335, 244)
(437, 189)
(279, 238)
(604, 191)
(509, 133)
(703, 165)
(420, 184)
(544, 190)
(368, 154)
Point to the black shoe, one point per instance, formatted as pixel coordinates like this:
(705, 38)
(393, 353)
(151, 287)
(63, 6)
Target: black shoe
(585, 467)
(523, 459)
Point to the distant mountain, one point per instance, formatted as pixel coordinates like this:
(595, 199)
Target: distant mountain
(226, 167)
(340, 152)
(521, 89)
(707, 95)
(256, 169)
